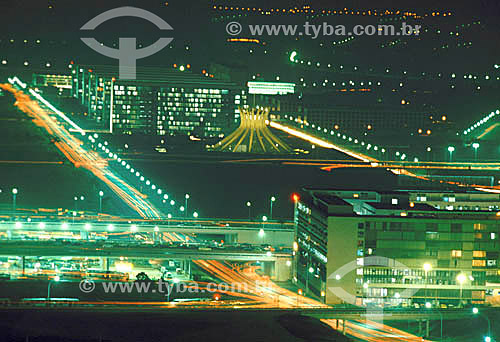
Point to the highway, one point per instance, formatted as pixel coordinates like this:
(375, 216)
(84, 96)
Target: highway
(265, 293)
(138, 226)
(73, 149)
(366, 155)
(30, 248)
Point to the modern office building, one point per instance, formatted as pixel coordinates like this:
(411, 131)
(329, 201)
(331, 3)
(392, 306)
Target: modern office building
(382, 248)
(352, 116)
(159, 101)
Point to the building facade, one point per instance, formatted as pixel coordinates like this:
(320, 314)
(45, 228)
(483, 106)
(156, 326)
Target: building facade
(159, 102)
(386, 250)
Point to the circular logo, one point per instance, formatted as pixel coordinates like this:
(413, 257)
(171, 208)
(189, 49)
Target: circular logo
(233, 28)
(86, 286)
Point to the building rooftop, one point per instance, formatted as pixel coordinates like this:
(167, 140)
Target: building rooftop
(403, 206)
(157, 75)
(331, 199)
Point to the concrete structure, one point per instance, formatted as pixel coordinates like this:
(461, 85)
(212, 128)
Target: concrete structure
(253, 136)
(383, 249)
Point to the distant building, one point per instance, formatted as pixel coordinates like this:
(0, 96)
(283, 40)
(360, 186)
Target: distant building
(62, 82)
(337, 229)
(159, 102)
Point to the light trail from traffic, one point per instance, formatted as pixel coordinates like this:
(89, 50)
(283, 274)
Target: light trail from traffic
(74, 150)
(262, 291)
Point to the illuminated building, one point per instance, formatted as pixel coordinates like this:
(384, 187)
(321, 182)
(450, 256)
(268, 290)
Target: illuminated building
(159, 102)
(336, 228)
(270, 88)
(61, 82)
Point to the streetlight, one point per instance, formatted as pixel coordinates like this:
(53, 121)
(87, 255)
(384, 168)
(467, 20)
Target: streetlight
(271, 211)
(14, 195)
(461, 278)
(101, 193)
(475, 146)
(249, 205)
(76, 201)
(475, 311)
(427, 268)
(451, 149)
(186, 206)
(195, 214)
(56, 279)
(428, 306)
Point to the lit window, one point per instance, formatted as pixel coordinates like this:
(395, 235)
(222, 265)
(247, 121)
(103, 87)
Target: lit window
(479, 254)
(394, 201)
(479, 226)
(456, 253)
(478, 263)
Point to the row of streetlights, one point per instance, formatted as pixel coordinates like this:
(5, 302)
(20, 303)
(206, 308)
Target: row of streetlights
(461, 279)
(249, 206)
(105, 148)
(474, 145)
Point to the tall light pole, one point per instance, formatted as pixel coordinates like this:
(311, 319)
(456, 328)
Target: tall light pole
(14, 195)
(475, 146)
(186, 206)
(271, 210)
(249, 205)
(82, 198)
(56, 279)
(475, 311)
(427, 268)
(461, 280)
(451, 149)
(101, 193)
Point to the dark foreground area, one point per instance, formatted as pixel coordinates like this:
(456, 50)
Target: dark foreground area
(64, 326)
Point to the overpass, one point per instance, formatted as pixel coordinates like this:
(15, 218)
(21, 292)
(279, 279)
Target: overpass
(231, 231)
(55, 249)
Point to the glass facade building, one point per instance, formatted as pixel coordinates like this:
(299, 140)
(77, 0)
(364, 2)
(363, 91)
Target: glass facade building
(386, 250)
(158, 102)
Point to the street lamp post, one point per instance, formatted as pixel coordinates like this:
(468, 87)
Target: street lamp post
(14, 195)
(271, 210)
(101, 193)
(475, 311)
(249, 205)
(56, 279)
(186, 206)
(475, 146)
(461, 280)
(76, 201)
(429, 149)
(451, 149)
(427, 268)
